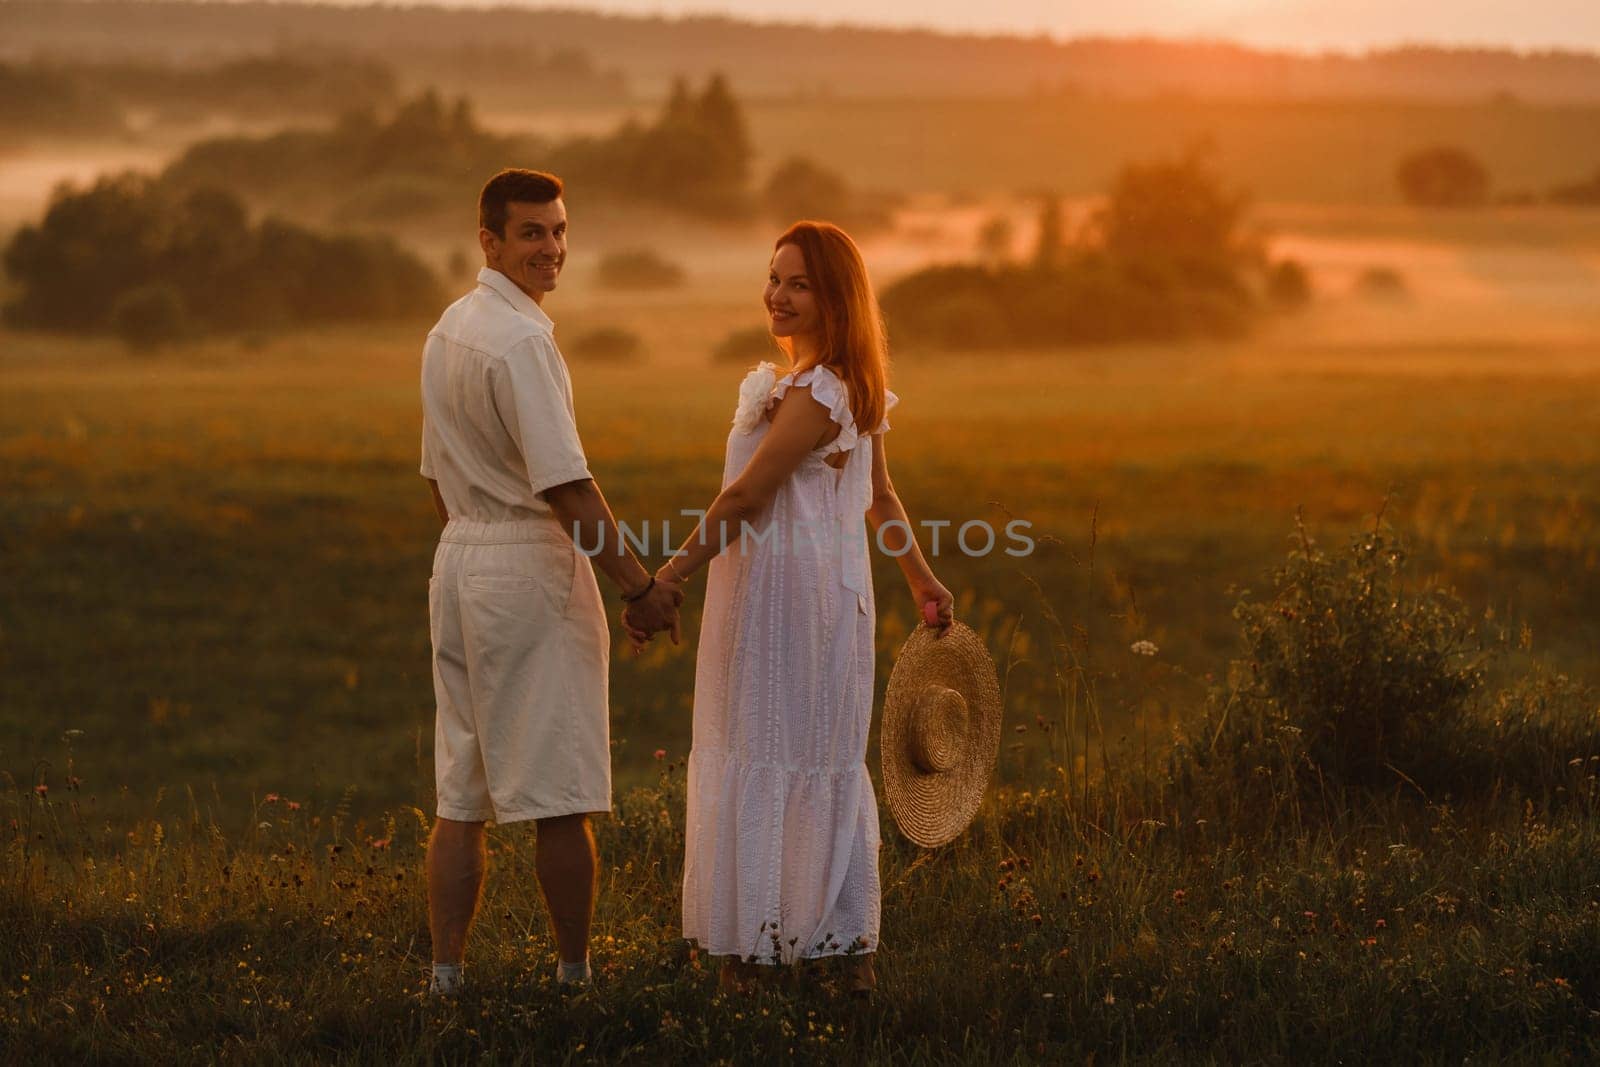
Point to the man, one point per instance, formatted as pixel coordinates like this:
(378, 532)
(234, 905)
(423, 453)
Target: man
(521, 645)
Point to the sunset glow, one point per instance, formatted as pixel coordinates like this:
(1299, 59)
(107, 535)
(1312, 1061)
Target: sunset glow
(1297, 25)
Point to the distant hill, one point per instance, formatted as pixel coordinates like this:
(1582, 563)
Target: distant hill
(773, 60)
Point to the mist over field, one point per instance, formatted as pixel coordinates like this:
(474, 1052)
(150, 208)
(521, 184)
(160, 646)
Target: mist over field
(1289, 362)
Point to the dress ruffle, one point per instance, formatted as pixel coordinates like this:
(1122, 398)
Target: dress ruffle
(769, 881)
(831, 393)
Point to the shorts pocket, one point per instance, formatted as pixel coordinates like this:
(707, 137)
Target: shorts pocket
(504, 583)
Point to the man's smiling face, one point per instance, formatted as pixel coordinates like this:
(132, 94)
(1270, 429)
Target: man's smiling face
(534, 247)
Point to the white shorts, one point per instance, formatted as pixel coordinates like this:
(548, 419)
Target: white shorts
(521, 654)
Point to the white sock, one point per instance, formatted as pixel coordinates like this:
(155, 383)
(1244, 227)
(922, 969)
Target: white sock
(574, 973)
(446, 980)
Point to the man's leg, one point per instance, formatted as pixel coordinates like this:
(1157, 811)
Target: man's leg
(568, 865)
(455, 880)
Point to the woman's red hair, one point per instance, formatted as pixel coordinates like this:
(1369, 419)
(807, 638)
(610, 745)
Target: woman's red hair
(853, 343)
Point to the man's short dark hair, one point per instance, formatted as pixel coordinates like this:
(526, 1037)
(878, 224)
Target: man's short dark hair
(514, 184)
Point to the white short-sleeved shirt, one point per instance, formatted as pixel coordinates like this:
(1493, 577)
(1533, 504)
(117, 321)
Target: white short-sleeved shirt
(498, 427)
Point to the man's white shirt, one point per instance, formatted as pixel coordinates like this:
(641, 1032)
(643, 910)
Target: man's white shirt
(498, 425)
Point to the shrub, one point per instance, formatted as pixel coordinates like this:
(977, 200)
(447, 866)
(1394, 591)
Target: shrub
(1288, 285)
(1443, 177)
(1349, 676)
(1538, 735)
(750, 345)
(1382, 283)
(1165, 259)
(1093, 299)
(150, 316)
(639, 268)
(1578, 194)
(609, 344)
(995, 239)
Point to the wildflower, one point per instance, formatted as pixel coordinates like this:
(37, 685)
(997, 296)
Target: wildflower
(1381, 924)
(72, 735)
(1111, 998)
(271, 798)
(1143, 648)
(41, 789)
(1179, 896)
(661, 753)
(292, 805)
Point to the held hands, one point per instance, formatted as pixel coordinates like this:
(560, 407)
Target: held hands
(657, 610)
(937, 604)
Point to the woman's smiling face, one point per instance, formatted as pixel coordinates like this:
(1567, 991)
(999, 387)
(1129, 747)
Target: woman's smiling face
(789, 298)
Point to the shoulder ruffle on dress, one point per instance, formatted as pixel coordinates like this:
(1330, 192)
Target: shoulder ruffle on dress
(833, 394)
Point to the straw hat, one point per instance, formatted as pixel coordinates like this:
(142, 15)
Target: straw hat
(941, 733)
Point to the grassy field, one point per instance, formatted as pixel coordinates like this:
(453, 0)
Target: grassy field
(213, 660)
(216, 560)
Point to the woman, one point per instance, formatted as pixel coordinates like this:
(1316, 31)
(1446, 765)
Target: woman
(782, 849)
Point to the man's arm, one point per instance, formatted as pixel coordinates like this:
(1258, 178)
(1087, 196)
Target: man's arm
(585, 515)
(438, 501)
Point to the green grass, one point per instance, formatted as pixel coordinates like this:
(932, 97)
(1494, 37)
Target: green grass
(216, 561)
(215, 566)
(1051, 932)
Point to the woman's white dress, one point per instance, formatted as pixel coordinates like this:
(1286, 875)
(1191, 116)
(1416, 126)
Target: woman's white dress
(781, 860)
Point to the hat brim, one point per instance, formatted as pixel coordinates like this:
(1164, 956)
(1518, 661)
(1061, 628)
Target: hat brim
(933, 809)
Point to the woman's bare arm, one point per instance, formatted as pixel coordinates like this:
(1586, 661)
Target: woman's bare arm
(797, 424)
(893, 527)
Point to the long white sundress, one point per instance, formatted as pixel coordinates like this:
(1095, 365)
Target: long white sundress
(781, 859)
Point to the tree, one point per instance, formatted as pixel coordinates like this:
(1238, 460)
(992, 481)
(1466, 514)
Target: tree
(152, 263)
(995, 238)
(722, 119)
(1443, 177)
(150, 316)
(801, 189)
(1050, 247)
(1289, 285)
(1177, 210)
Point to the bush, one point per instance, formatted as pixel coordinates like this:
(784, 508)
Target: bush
(1443, 177)
(608, 344)
(1093, 299)
(150, 316)
(639, 268)
(1288, 285)
(1349, 677)
(1382, 283)
(1578, 194)
(1539, 735)
(748, 346)
(1166, 259)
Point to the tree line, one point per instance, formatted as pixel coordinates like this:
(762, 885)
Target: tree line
(136, 256)
(1166, 257)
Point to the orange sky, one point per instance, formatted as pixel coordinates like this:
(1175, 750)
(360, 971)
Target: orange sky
(1291, 24)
